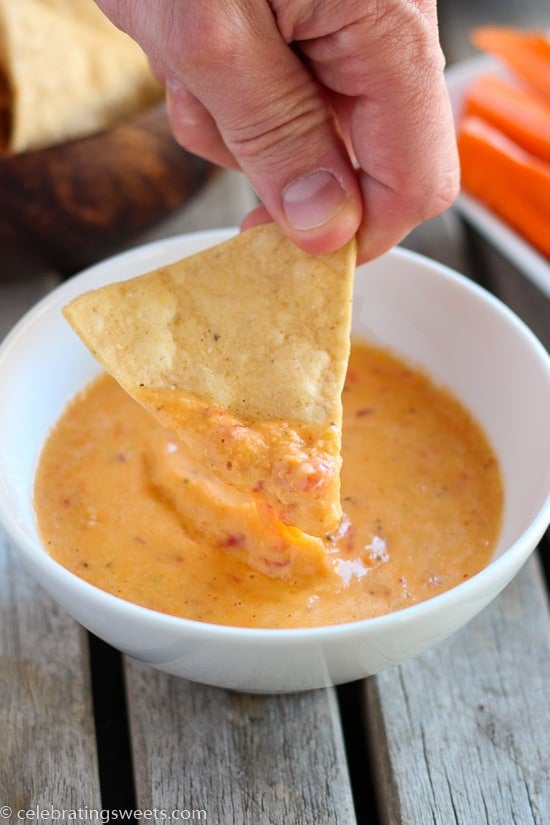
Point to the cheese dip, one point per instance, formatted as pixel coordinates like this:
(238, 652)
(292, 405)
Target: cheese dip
(120, 504)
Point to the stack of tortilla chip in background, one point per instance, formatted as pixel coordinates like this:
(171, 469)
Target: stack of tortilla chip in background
(65, 72)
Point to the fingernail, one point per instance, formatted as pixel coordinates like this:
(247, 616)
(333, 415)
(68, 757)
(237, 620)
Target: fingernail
(312, 200)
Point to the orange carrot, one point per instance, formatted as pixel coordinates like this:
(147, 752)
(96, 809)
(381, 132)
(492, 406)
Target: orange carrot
(509, 107)
(511, 181)
(527, 53)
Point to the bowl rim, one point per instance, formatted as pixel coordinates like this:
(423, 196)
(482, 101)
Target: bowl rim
(501, 569)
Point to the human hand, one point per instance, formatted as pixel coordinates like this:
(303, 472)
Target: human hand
(336, 110)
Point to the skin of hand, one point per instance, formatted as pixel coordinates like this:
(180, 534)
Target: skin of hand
(336, 110)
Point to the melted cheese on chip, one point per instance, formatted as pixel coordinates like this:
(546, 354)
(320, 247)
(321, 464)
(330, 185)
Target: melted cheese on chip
(241, 350)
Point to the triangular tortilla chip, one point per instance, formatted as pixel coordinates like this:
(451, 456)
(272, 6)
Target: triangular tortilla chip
(242, 350)
(67, 71)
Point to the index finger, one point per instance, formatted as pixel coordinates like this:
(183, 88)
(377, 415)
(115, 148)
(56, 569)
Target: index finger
(399, 123)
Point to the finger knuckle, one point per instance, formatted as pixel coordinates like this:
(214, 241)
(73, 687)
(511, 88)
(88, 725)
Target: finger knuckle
(277, 127)
(211, 36)
(444, 194)
(208, 44)
(428, 198)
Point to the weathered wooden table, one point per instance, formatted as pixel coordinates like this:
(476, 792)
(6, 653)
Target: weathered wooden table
(459, 735)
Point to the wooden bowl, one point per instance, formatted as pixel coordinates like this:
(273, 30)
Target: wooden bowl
(84, 200)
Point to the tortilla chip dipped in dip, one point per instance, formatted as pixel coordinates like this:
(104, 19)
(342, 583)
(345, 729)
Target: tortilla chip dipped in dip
(242, 352)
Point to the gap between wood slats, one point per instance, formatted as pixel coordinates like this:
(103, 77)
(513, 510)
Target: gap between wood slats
(111, 727)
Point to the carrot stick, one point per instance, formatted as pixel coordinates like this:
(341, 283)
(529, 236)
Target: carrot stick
(513, 183)
(509, 107)
(526, 53)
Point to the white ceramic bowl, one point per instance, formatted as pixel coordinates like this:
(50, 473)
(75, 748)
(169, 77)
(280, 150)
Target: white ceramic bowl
(465, 339)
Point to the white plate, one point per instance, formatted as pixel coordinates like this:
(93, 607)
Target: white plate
(527, 260)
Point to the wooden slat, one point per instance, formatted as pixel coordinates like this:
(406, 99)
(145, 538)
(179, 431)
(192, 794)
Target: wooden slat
(241, 758)
(461, 734)
(47, 757)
